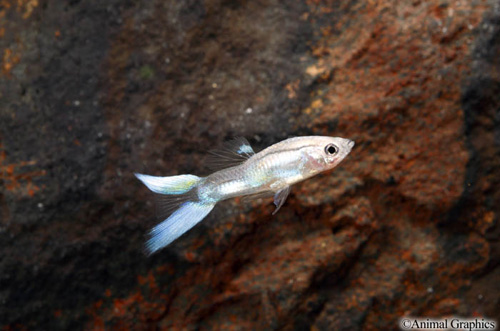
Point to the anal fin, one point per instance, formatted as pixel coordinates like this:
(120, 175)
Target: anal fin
(255, 196)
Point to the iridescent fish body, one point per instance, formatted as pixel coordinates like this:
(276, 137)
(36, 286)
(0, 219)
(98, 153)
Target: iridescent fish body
(270, 172)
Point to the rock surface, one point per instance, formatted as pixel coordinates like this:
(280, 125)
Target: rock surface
(408, 225)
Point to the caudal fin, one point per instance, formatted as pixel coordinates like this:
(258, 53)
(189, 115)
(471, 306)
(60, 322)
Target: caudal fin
(188, 215)
(174, 193)
(169, 185)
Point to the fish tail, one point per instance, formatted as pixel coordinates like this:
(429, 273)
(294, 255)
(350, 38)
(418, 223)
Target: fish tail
(174, 193)
(187, 216)
(169, 185)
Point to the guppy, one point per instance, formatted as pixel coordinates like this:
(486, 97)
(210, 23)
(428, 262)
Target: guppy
(270, 172)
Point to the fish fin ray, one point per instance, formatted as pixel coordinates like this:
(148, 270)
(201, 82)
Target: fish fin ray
(179, 222)
(280, 198)
(232, 153)
(170, 192)
(255, 196)
(166, 204)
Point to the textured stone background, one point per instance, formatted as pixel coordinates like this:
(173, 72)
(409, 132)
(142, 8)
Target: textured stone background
(92, 91)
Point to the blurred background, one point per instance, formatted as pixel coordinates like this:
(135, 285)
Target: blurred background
(93, 91)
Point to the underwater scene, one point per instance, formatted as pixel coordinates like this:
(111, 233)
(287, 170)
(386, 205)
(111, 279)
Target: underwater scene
(249, 165)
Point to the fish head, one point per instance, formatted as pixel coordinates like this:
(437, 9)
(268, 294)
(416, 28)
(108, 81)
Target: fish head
(324, 153)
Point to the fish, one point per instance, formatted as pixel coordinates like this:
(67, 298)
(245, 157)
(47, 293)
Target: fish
(188, 199)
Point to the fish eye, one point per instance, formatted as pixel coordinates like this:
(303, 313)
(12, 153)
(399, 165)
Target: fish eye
(331, 149)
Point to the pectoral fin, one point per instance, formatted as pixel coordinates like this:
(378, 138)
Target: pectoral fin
(280, 197)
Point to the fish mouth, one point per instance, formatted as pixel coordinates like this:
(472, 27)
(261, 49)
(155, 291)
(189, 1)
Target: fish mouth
(351, 143)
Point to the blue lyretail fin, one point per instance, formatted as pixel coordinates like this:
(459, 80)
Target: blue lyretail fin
(169, 185)
(188, 215)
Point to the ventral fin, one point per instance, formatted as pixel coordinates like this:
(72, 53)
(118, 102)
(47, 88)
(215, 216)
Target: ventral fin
(280, 197)
(232, 153)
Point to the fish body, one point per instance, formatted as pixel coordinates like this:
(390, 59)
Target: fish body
(270, 172)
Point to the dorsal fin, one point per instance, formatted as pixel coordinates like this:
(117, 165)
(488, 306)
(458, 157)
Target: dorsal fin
(232, 153)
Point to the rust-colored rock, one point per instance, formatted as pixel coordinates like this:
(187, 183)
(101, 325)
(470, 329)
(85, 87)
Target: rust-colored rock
(408, 225)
